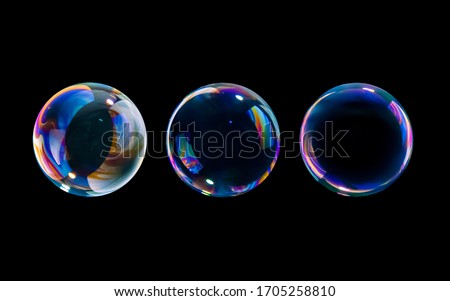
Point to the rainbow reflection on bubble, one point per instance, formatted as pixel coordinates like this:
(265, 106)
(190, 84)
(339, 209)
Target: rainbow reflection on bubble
(89, 139)
(356, 139)
(223, 140)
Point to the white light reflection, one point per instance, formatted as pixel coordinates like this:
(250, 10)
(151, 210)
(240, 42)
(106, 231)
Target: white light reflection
(64, 187)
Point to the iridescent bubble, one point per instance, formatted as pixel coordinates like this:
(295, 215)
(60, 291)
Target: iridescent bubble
(356, 139)
(223, 140)
(89, 139)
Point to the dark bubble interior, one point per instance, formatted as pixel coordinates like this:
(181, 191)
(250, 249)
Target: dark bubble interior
(89, 138)
(373, 141)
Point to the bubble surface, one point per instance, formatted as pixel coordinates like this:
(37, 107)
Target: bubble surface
(89, 139)
(223, 140)
(356, 139)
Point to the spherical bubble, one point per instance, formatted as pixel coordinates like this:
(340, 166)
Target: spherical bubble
(223, 140)
(356, 139)
(89, 139)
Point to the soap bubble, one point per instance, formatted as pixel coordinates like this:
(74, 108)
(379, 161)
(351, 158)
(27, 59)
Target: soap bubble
(223, 140)
(356, 139)
(89, 139)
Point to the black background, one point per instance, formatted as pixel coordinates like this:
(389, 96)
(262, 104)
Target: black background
(289, 227)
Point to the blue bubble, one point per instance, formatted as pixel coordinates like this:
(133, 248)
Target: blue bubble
(223, 140)
(356, 139)
(89, 139)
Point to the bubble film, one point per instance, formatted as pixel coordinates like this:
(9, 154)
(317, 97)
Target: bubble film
(223, 140)
(89, 139)
(356, 139)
